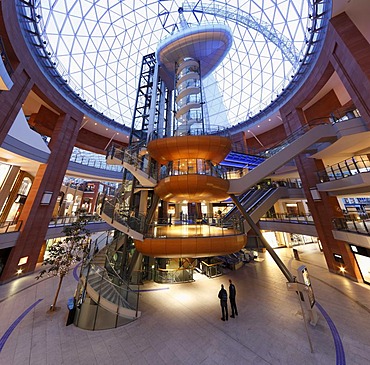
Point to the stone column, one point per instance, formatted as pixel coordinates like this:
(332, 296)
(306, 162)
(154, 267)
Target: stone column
(11, 101)
(13, 194)
(324, 209)
(36, 215)
(6, 187)
(350, 59)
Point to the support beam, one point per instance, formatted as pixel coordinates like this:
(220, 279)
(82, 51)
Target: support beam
(258, 232)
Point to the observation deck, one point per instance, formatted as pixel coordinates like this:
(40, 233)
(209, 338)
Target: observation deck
(208, 44)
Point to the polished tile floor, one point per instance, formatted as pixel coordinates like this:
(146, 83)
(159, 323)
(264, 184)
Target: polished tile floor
(181, 324)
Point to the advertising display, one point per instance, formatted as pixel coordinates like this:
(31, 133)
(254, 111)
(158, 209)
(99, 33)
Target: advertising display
(304, 278)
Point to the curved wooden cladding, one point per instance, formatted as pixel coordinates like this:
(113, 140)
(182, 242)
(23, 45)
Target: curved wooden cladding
(192, 188)
(190, 246)
(212, 148)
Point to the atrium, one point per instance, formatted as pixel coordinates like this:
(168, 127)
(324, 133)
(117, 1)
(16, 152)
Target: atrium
(197, 137)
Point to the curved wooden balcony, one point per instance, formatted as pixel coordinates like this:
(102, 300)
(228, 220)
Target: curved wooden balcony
(192, 188)
(207, 147)
(192, 246)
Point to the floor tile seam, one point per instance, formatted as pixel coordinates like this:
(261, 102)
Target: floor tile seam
(15, 323)
(364, 307)
(235, 340)
(25, 288)
(304, 261)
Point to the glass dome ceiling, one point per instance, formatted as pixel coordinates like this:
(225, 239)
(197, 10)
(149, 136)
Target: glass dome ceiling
(98, 47)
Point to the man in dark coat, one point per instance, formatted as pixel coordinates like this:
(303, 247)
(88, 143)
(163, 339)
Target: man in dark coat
(222, 294)
(232, 295)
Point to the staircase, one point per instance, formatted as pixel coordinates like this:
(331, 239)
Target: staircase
(111, 293)
(293, 146)
(138, 165)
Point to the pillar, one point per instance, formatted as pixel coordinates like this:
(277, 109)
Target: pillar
(11, 101)
(13, 194)
(6, 187)
(350, 59)
(36, 215)
(143, 205)
(323, 209)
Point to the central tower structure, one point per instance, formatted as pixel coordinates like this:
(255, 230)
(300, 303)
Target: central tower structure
(187, 146)
(191, 149)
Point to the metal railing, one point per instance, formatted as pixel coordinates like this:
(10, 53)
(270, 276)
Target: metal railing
(10, 226)
(204, 131)
(349, 167)
(172, 276)
(118, 212)
(359, 225)
(131, 157)
(289, 218)
(64, 220)
(291, 138)
(207, 226)
(193, 167)
(111, 287)
(94, 160)
(204, 226)
(211, 270)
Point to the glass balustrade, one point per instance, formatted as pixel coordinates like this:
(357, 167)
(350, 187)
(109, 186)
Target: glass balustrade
(349, 167)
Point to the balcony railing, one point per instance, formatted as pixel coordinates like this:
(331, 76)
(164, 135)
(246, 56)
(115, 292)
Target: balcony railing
(191, 226)
(172, 276)
(353, 166)
(10, 226)
(289, 218)
(133, 158)
(204, 131)
(94, 160)
(359, 225)
(65, 220)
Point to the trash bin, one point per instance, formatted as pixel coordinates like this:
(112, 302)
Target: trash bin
(296, 254)
(71, 311)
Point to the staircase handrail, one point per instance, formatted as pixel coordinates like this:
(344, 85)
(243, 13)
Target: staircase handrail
(351, 166)
(111, 208)
(254, 204)
(131, 157)
(273, 150)
(108, 277)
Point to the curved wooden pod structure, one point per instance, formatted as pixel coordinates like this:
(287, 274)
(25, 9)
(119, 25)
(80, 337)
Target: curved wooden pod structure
(192, 188)
(190, 246)
(206, 147)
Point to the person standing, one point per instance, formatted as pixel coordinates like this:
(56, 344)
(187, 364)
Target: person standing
(222, 294)
(232, 295)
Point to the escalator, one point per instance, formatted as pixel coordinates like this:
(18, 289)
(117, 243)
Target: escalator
(297, 143)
